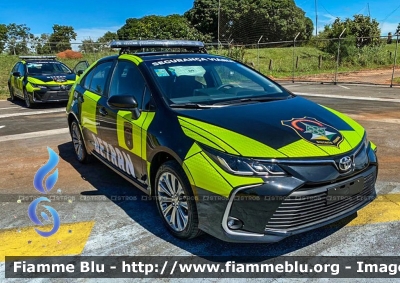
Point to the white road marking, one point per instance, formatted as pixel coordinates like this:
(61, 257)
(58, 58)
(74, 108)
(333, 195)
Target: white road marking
(28, 113)
(38, 134)
(344, 86)
(12, 107)
(396, 100)
(2, 127)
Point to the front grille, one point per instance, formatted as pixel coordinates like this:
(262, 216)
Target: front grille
(301, 210)
(59, 87)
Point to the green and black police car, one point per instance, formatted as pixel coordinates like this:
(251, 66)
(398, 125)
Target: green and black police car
(220, 147)
(39, 79)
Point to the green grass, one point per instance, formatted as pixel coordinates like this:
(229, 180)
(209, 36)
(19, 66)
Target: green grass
(279, 62)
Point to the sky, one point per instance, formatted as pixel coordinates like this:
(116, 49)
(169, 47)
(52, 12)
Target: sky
(91, 19)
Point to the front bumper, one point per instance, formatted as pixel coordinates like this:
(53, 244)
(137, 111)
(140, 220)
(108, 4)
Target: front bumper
(284, 206)
(51, 94)
(300, 211)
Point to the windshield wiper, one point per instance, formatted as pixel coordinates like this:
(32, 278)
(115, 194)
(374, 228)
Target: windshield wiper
(252, 99)
(189, 105)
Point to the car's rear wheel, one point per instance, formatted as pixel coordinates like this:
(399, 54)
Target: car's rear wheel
(175, 201)
(12, 96)
(28, 99)
(79, 146)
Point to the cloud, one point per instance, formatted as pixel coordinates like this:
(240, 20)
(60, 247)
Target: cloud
(388, 27)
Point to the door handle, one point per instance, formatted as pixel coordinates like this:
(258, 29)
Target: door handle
(103, 111)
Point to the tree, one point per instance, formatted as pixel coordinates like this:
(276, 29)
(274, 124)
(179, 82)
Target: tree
(398, 30)
(88, 46)
(158, 27)
(104, 41)
(245, 21)
(18, 37)
(365, 30)
(3, 37)
(389, 39)
(108, 37)
(204, 17)
(61, 37)
(41, 44)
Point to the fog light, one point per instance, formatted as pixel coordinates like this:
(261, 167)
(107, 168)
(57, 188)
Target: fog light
(234, 223)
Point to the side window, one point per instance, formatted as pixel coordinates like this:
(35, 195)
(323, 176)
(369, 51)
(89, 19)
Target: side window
(96, 79)
(21, 69)
(128, 80)
(15, 69)
(148, 102)
(87, 80)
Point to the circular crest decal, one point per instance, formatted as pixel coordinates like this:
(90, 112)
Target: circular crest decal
(314, 131)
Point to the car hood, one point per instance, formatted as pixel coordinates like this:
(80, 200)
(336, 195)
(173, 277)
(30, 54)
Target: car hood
(295, 127)
(56, 78)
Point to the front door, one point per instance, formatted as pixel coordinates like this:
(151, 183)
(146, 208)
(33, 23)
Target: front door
(122, 132)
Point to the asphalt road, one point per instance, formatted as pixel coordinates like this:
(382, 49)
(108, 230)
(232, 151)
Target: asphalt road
(95, 222)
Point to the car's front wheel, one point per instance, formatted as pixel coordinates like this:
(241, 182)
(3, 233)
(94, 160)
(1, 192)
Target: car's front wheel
(79, 146)
(175, 201)
(27, 99)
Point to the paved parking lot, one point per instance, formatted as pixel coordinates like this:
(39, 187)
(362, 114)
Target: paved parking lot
(95, 222)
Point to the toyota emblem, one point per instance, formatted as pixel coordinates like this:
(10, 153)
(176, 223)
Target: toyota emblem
(345, 163)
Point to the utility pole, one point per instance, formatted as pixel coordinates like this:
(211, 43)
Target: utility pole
(316, 18)
(338, 56)
(369, 14)
(219, 15)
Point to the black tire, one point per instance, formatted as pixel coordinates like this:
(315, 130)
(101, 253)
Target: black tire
(28, 100)
(174, 202)
(78, 143)
(12, 96)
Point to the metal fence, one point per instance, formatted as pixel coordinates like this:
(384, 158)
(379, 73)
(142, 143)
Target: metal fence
(337, 60)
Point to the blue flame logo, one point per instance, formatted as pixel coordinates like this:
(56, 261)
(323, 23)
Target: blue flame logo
(38, 181)
(44, 170)
(32, 215)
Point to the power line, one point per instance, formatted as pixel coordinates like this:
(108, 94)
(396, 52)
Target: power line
(391, 13)
(328, 11)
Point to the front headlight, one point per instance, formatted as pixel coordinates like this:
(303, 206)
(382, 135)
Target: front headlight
(37, 86)
(243, 166)
(366, 141)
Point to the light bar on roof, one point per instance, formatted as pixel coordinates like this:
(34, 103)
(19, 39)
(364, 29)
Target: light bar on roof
(37, 57)
(137, 44)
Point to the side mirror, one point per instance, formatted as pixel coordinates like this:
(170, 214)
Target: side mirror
(16, 74)
(124, 102)
(80, 72)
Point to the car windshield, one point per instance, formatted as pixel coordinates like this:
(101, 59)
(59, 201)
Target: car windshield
(47, 68)
(211, 81)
